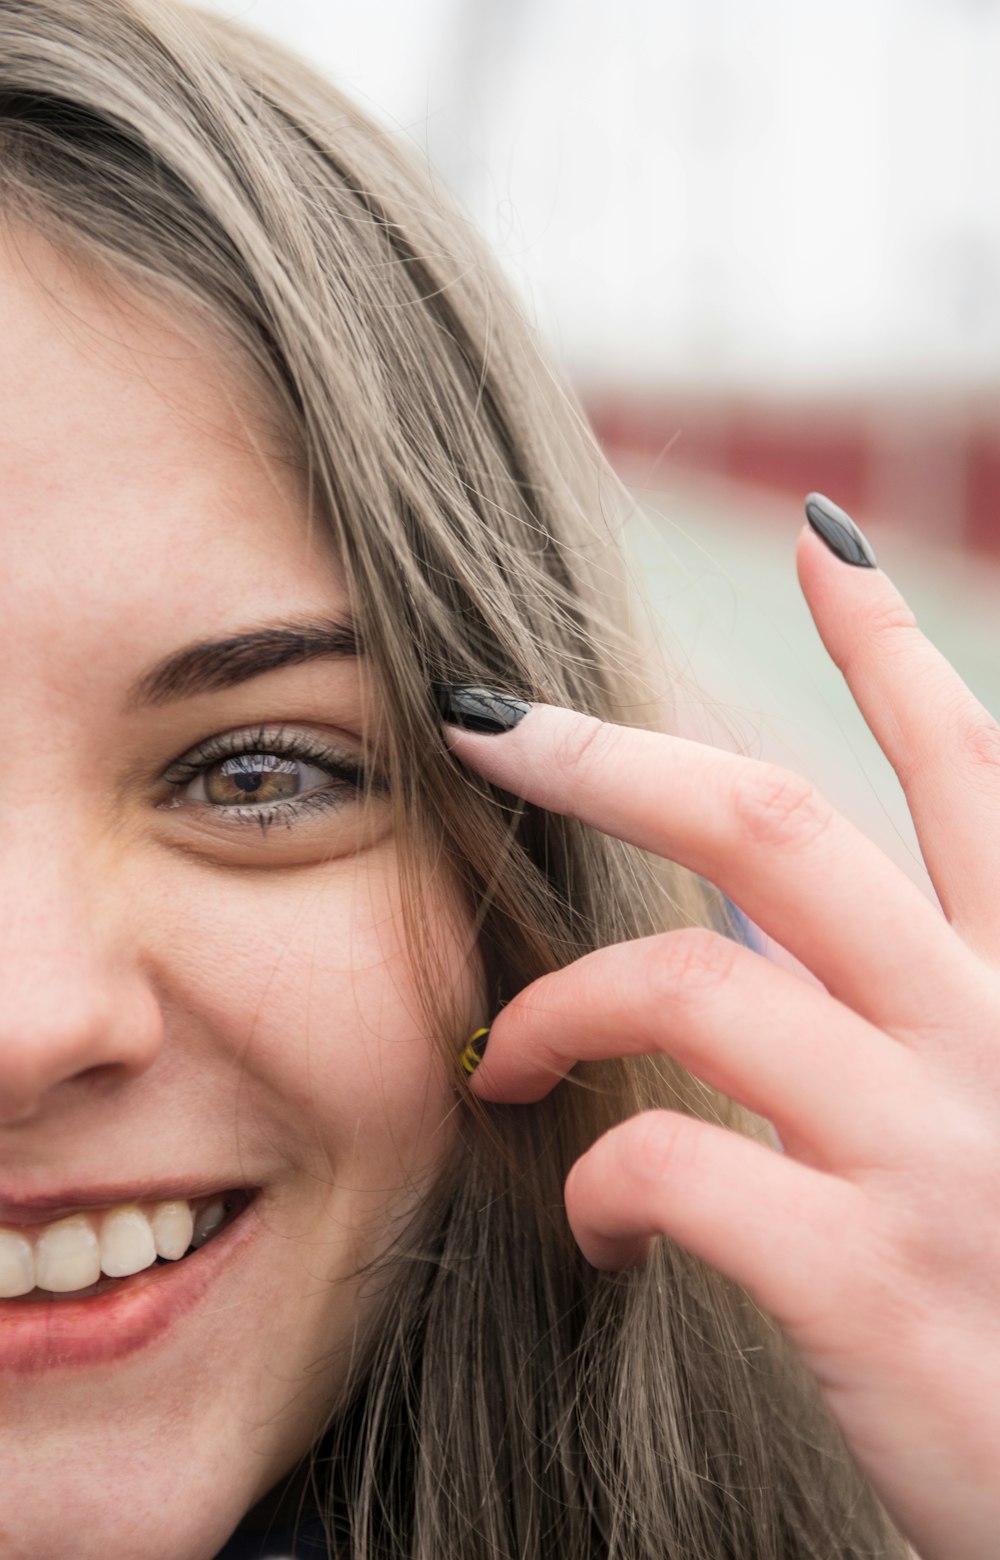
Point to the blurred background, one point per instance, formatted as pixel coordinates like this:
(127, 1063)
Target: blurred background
(763, 239)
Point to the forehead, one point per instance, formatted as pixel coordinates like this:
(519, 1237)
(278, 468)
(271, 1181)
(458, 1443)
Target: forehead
(142, 479)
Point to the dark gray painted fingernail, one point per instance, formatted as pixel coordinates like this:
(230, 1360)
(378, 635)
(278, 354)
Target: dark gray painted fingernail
(479, 709)
(839, 532)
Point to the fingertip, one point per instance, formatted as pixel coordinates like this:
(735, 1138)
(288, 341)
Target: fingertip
(840, 535)
(480, 1070)
(488, 711)
(816, 567)
(479, 1085)
(811, 557)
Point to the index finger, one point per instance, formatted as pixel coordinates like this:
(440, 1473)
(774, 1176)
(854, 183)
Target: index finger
(761, 833)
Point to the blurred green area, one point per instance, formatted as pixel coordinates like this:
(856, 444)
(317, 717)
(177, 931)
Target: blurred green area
(742, 659)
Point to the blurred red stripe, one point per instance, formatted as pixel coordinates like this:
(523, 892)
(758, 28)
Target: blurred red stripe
(932, 468)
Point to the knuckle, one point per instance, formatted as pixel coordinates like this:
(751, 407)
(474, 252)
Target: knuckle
(660, 1146)
(979, 740)
(893, 621)
(891, 627)
(688, 963)
(776, 806)
(531, 1019)
(586, 745)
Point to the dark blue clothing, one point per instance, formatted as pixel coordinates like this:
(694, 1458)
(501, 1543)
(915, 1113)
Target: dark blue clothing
(305, 1541)
(748, 932)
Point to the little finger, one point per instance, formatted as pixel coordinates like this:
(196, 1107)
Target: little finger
(767, 1222)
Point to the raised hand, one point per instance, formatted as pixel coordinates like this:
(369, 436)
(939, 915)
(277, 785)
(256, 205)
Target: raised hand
(874, 1238)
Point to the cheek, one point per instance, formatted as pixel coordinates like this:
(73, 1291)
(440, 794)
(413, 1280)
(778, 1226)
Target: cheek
(305, 979)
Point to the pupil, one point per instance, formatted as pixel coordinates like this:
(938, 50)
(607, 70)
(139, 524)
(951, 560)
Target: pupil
(253, 777)
(250, 775)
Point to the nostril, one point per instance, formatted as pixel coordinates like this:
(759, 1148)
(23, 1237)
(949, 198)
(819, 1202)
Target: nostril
(25, 1093)
(97, 1038)
(11, 1116)
(100, 1074)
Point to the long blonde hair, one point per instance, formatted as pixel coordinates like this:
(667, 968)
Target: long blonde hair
(515, 1403)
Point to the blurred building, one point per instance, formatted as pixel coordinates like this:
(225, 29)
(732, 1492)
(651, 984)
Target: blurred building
(763, 237)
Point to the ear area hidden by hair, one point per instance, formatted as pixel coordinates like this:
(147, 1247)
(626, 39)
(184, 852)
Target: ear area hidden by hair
(479, 709)
(472, 1053)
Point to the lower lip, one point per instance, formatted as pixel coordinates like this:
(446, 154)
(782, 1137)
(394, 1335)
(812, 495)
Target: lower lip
(39, 1335)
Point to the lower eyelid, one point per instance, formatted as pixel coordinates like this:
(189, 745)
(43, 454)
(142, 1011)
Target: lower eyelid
(319, 800)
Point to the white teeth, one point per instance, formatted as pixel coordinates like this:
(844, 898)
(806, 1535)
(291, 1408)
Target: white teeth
(71, 1254)
(67, 1256)
(208, 1221)
(17, 1265)
(127, 1244)
(173, 1225)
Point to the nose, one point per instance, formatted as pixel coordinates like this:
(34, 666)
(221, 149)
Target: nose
(74, 1001)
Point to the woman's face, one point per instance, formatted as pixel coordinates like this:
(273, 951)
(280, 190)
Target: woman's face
(197, 994)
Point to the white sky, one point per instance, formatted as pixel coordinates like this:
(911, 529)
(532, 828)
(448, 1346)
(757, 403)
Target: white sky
(774, 194)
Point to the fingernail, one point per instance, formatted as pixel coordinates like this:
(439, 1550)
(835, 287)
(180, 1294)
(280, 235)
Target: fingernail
(472, 1055)
(839, 532)
(479, 709)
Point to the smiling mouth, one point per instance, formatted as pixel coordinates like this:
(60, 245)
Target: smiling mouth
(88, 1254)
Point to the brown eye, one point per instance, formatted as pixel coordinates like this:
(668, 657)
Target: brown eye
(263, 777)
(249, 778)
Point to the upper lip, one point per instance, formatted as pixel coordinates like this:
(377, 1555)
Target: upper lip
(54, 1204)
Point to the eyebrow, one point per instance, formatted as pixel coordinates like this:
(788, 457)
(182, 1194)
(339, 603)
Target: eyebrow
(211, 665)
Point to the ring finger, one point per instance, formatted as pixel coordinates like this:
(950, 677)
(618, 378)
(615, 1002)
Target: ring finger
(781, 1047)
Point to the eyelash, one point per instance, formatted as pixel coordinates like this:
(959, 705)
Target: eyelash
(346, 769)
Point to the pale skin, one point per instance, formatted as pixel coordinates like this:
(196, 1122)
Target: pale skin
(180, 994)
(873, 1238)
